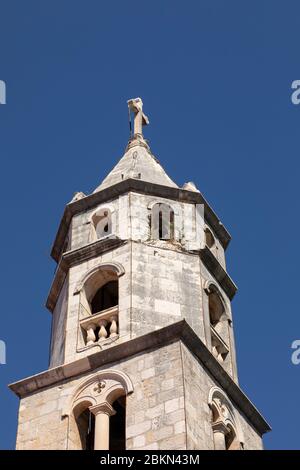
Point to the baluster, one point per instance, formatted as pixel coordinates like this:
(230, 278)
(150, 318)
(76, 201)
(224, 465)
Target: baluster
(90, 336)
(114, 326)
(102, 332)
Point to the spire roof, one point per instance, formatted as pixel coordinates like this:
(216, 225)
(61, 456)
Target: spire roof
(137, 162)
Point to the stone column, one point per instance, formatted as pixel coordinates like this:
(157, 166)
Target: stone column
(102, 413)
(219, 430)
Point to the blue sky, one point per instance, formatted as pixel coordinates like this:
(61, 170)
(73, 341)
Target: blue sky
(215, 77)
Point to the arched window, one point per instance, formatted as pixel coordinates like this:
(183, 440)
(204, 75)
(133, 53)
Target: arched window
(102, 223)
(218, 323)
(227, 433)
(85, 422)
(162, 222)
(99, 304)
(97, 412)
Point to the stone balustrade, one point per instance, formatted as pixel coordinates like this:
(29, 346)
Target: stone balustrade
(219, 347)
(101, 326)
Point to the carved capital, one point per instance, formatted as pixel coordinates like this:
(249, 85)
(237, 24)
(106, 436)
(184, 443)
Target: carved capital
(102, 408)
(220, 427)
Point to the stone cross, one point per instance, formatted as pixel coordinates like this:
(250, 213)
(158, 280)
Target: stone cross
(99, 387)
(140, 119)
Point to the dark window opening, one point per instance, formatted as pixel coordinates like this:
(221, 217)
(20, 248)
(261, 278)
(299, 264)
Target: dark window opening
(117, 426)
(86, 426)
(160, 232)
(172, 225)
(209, 238)
(166, 228)
(230, 440)
(106, 297)
(216, 308)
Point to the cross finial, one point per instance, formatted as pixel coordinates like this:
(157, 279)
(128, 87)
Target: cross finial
(140, 119)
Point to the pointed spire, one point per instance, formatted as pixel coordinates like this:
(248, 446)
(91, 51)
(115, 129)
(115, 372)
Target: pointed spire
(138, 162)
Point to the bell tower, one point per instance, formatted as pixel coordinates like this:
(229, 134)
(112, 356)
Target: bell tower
(142, 351)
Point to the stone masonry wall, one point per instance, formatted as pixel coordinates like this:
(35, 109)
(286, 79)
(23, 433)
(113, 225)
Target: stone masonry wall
(166, 287)
(167, 410)
(155, 410)
(160, 286)
(131, 220)
(59, 318)
(197, 384)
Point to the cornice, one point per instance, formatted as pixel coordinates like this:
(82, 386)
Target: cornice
(179, 331)
(218, 272)
(141, 187)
